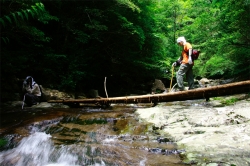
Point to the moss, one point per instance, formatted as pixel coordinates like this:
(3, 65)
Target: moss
(188, 158)
(217, 98)
(226, 102)
(3, 142)
(230, 101)
(84, 122)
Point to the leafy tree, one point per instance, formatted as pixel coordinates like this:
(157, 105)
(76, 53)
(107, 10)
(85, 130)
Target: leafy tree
(21, 39)
(234, 36)
(74, 45)
(217, 30)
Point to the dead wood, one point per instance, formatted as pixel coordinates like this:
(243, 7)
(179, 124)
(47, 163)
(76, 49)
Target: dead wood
(200, 93)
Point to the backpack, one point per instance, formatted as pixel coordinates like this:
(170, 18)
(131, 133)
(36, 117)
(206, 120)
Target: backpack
(195, 54)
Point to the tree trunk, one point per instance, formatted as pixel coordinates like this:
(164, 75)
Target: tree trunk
(200, 93)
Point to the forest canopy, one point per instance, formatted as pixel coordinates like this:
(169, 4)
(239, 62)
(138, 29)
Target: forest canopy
(73, 45)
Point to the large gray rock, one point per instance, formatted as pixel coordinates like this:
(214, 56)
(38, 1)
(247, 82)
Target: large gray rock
(220, 134)
(52, 94)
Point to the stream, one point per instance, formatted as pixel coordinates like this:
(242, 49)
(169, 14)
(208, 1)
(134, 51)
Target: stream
(83, 136)
(192, 132)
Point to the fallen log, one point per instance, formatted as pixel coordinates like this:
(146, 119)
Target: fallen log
(199, 93)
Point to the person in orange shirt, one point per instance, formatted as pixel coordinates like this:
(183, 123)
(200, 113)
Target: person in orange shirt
(186, 65)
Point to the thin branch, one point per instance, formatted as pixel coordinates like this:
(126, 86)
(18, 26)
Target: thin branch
(105, 87)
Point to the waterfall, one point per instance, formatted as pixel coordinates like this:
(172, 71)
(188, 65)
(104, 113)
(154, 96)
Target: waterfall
(83, 138)
(38, 150)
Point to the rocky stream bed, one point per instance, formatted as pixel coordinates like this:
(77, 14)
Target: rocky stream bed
(210, 133)
(192, 132)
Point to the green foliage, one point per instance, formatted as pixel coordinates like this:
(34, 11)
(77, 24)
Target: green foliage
(129, 4)
(3, 142)
(74, 45)
(16, 19)
(217, 66)
(5, 39)
(217, 98)
(36, 10)
(230, 101)
(218, 30)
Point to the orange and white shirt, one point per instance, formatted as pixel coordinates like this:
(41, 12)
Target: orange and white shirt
(185, 51)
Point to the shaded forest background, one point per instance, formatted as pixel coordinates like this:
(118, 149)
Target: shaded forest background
(73, 45)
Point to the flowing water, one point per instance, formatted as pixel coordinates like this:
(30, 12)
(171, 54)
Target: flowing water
(83, 136)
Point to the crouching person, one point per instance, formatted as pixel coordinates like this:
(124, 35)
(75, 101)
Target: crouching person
(32, 91)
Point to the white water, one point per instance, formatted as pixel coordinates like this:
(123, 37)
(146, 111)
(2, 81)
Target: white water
(38, 150)
(94, 148)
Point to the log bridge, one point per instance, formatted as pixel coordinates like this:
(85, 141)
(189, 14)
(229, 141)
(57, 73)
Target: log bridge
(199, 93)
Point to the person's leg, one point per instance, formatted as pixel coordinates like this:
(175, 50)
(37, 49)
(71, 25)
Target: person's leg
(31, 99)
(36, 100)
(180, 74)
(28, 99)
(190, 77)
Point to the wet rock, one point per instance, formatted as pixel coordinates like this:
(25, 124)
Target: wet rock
(206, 130)
(227, 81)
(204, 82)
(157, 85)
(12, 104)
(164, 140)
(52, 94)
(50, 105)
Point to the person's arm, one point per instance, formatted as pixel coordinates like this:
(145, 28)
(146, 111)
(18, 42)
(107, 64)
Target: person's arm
(27, 88)
(190, 56)
(178, 62)
(36, 90)
(189, 52)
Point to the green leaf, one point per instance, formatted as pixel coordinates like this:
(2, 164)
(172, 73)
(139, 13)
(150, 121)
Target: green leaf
(5, 39)
(8, 18)
(20, 14)
(2, 21)
(40, 6)
(26, 14)
(13, 14)
(35, 11)
(30, 11)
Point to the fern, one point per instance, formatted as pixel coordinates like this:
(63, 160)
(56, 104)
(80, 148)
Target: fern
(8, 18)
(2, 22)
(20, 14)
(36, 10)
(26, 14)
(19, 17)
(5, 39)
